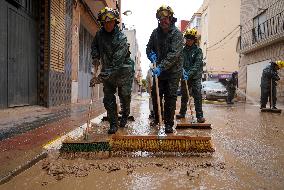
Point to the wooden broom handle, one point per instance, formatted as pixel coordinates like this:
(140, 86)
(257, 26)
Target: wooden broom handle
(158, 97)
(189, 98)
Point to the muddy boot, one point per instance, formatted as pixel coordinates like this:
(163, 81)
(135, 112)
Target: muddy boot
(180, 116)
(201, 120)
(274, 107)
(123, 122)
(112, 129)
(262, 107)
(169, 129)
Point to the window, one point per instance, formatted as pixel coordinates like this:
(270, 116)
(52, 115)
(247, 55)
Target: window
(258, 31)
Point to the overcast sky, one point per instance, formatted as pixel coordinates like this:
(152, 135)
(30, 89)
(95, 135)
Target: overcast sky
(143, 19)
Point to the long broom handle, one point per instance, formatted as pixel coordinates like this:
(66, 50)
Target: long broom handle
(158, 97)
(187, 91)
(90, 107)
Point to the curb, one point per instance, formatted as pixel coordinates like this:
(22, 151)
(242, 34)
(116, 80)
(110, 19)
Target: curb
(23, 167)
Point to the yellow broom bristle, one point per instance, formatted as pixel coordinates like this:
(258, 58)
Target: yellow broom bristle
(165, 145)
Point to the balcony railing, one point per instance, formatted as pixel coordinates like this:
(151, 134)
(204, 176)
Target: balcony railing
(273, 27)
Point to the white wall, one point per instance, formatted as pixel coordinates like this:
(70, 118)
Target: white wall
(254, 72)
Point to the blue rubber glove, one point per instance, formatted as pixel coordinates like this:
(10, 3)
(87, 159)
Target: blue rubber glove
(185, 75)
(152, 57)
(156, 71)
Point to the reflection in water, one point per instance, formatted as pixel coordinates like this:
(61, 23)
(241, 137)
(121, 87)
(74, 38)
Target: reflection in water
(141, 126)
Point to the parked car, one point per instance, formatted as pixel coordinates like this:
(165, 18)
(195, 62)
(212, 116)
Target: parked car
(213, 90)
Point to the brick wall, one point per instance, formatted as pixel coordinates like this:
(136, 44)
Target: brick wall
(273, 50)
(60, 52)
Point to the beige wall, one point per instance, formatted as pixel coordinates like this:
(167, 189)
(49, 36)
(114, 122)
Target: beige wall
(271, 48)
(223, 18)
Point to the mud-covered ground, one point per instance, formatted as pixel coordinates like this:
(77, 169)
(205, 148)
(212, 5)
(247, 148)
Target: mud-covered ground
(249, 155)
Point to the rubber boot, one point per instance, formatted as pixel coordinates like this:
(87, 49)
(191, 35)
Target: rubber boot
(262, 107)
(123, 121)
(201, 120)
(112, 129)
(169, 129)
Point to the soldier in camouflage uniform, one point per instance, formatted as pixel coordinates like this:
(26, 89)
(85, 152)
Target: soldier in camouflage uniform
(111, 50)
(165, 49)
(192, 73)
(270, 76)
(231, 87)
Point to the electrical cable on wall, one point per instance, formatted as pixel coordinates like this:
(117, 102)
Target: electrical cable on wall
(221, 45)
(238, 27)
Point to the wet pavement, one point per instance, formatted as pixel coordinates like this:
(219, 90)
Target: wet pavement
(24, 131)
(249, 155)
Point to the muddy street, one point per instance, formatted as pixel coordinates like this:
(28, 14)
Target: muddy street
(249, 154)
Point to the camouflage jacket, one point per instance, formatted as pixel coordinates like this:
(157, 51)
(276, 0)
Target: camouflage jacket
(192, 62)
(269, 73)
(168, 48)
(112, 50)
(232, 83)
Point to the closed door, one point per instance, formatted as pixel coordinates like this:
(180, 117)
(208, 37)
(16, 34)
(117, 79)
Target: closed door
(84, 74)
(22, 59)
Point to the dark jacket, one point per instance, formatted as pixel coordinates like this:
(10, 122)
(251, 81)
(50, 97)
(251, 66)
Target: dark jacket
(192, 62)
(111, 49)
(269, 73)
(232, 83)
(168, 48)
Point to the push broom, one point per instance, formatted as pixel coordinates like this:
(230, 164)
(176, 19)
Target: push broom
(184, 123)
(271, 102)
(134, 143)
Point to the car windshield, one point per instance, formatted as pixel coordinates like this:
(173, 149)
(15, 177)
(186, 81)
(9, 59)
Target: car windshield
(215, 85)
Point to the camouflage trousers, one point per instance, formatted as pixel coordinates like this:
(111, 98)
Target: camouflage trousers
(168, 93)
(121, 81)
(265, 93)
(194, 87)
(231, 95)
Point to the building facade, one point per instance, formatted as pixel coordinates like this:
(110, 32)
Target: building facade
(262, 41)
(45, 51)
(218, 23)
(135, 56)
